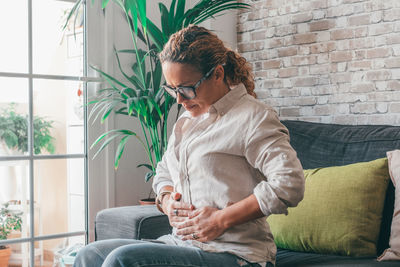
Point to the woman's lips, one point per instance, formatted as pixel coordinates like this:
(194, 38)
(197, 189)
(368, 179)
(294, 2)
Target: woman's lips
(188, 107)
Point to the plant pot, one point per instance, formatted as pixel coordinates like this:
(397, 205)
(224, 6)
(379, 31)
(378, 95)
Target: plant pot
(4, 256)
(147, 201)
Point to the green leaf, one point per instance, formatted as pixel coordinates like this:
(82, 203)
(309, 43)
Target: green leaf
(156, 35)
(130, 6)
(108, 77)
(149, 175)
(120, 150)
(104, 3)
(180, 11)
(148, 166)
(164, 18)
(141, 4)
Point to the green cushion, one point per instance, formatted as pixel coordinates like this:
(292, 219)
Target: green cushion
(341, 211)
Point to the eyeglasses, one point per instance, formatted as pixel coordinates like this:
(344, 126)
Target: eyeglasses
(187, 92)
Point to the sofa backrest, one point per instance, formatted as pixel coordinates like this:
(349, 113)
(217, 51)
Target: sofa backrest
(324, 145)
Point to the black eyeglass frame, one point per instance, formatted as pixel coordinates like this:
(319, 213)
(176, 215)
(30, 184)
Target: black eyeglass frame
(189, 89)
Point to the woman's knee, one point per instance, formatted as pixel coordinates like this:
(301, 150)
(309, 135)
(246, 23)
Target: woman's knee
(95, 253)
(88, 256)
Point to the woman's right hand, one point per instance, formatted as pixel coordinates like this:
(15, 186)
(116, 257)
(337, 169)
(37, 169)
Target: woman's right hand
(176, 210)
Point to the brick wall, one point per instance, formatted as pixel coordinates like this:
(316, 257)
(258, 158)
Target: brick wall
(333, 61)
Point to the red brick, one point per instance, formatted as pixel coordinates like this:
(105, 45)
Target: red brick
(394, 85)
(378, 29)
(289, 112)
(342, 34)
(378, 75)
(289, 72)
(359, 65)
(345, 77)
(285, 30)
(341, 56)
(359, 20)
(322, 47)
(272, 64)
(303, 60)
(359, 54)
(361, 43)
(289, 51)
(320, 69)
(361, 32)
(305, 81)
(363, 88)
(393, 39)
(272, 43)
(272, 83)
(321, 25)
(258, 35)
(391, 14)
(338, 11)
(378, 53)
(319, 4)
(306, 38)
(303, 17)
(394, 108)
(392, 62)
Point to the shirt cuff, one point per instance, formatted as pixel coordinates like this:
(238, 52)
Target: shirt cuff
(162, 184)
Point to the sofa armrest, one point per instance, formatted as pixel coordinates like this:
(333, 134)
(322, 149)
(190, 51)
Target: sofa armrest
(132, 222)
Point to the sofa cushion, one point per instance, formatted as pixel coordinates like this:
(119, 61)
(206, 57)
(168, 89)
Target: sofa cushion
(393, 253)
(341, 211)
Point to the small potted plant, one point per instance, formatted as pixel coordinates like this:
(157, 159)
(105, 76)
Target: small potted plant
(10, 220)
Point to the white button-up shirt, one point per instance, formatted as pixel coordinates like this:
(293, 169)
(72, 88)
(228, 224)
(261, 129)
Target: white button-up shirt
(238, 148)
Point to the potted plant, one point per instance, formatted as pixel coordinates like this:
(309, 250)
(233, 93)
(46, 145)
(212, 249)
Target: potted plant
(139, 95)
(14, 131)
(9, 221)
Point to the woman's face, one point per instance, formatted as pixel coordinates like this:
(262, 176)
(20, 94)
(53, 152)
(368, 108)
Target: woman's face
(209, 91)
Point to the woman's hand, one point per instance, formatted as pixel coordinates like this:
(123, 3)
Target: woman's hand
(176, 210)
(203, 225)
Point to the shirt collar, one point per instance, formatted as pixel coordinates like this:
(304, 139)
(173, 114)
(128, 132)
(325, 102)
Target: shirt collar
(225, 103)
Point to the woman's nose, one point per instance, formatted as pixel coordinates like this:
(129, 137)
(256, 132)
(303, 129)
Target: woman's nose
(179, 98)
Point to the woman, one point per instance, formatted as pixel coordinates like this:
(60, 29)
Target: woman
(228, 165)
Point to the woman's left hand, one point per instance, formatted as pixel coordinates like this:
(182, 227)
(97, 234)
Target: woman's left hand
(203, 225)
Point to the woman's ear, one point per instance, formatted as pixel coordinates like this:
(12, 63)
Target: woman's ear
(219, 73)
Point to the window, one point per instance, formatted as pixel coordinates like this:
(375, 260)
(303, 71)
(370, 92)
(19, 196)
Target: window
(43, 133)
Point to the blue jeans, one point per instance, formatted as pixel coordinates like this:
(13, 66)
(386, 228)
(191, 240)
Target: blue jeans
(131, 253)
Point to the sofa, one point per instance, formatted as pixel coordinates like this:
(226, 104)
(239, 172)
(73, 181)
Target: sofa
(317, 145)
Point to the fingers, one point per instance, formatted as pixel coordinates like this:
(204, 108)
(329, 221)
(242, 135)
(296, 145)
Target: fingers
(187, 231)
(176, 196)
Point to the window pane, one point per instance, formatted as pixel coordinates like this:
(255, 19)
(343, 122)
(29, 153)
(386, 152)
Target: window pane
(19, 254)
(56, 51)
(59, 193)
(60, 250)
(13, 116)
(14, 36)
(14, 181)
(58, 108)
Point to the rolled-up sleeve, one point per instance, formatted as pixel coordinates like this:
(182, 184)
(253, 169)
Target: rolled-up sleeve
(163, 176)
(268, 149)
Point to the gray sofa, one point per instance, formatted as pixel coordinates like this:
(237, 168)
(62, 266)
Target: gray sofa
(317, 145)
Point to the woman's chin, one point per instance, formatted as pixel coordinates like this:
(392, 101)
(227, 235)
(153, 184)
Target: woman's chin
(195, 111)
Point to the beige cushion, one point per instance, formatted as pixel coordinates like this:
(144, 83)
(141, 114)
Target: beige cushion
(393, 252)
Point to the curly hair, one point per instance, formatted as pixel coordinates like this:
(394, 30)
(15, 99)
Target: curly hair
(202, 49)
